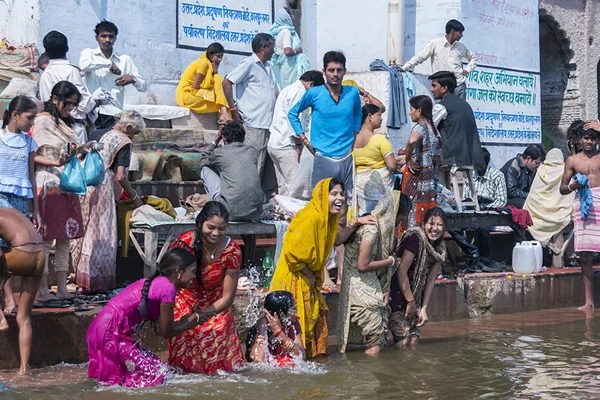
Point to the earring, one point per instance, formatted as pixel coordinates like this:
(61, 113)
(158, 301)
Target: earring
(179, 275)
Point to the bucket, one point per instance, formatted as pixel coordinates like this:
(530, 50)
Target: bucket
(523, 258)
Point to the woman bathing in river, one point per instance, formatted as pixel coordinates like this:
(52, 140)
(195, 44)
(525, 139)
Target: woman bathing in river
(279, 329)
(115, 357)
(421, 251)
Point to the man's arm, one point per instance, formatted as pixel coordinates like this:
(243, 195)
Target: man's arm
(356, 114)
(240, 74)
(500, 193)
(131, 69)
(514, 191)
(472, 58)
(420, 57)
(565, 184)
(86, 104)
(439, 113)
(297, 109)
(89, 62)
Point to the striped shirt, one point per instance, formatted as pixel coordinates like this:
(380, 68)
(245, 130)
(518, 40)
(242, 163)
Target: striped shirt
(491, 187)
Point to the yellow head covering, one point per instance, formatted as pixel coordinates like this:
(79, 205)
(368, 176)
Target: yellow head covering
(307, 243)
(550, 211)
(350, 82)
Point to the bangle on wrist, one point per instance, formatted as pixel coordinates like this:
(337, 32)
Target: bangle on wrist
(393, 260)
(233, 109)
(197, 318)
(410, 301)
(277, 333)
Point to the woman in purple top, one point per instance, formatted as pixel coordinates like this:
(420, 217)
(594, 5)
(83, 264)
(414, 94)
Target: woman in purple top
(115, 357)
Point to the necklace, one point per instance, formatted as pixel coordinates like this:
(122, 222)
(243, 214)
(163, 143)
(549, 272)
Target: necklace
(212, 254)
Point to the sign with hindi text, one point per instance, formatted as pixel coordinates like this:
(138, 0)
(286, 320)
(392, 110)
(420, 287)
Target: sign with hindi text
(231, 23)
(506, 104)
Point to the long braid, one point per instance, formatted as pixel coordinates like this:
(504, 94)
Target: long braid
(143, 307)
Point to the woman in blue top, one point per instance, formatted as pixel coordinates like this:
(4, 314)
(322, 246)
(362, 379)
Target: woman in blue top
(17, 182)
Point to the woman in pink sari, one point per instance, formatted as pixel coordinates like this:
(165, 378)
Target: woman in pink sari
(115, 357)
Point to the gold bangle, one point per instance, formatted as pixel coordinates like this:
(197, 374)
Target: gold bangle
(197, 318)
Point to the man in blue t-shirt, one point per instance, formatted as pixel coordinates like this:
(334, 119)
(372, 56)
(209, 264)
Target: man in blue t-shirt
(336, 116)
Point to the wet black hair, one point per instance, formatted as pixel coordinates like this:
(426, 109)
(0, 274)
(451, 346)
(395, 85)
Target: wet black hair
(335, 57)
(369, 109)
(106, 26)
(454, 25)
(62, 90)
(535, 151)
(335, 181)
(445, 79)
(279, 302)
(210, 209)
(56, 45)
(262, 40)
(173, 258)
(214, 48)
(316, 77)
(19, 104)
(233, 132)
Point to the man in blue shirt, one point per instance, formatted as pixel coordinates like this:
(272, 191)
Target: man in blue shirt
(336, 116)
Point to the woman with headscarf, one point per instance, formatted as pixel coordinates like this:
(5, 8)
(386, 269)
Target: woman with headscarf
(369, 264)
(288, 61)
(550, 211)
(306, 249)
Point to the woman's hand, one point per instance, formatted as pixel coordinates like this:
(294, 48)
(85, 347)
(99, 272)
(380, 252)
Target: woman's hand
(274, 322)
(367, 220)
(414, 165)
(63, 159)
(411, 309)
(37, 220)
(423, 318)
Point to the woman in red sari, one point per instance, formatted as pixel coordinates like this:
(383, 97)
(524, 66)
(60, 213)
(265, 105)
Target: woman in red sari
(214, 344)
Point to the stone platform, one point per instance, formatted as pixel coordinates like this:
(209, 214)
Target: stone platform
(59, 334)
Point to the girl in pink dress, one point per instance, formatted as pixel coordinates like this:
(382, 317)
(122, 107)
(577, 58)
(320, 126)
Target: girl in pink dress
(115, 357)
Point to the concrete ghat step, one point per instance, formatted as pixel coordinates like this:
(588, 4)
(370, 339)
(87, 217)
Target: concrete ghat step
(59, 335)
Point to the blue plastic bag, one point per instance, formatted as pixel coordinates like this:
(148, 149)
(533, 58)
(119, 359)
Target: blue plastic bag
(94, 169)
(72, 179)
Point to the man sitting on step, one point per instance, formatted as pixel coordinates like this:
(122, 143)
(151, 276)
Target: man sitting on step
(230, 174)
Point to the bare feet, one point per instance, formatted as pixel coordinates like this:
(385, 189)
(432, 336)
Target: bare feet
(64, 295)
(586, 307)
(45, 296)
(3, 323)
(24, 372)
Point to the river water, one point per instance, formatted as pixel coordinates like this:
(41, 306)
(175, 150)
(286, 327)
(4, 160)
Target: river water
(542, 355)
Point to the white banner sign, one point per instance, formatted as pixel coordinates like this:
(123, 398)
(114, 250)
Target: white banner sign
(231, 23)
(506, 104)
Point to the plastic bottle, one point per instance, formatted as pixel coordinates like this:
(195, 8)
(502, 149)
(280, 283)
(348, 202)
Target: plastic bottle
(267, 264)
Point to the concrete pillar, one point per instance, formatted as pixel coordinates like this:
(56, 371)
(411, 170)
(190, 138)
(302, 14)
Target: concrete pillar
(395, 39)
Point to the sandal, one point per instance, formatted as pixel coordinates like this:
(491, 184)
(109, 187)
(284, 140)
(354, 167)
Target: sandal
(15, 310)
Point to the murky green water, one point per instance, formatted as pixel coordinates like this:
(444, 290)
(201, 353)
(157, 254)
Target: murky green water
(544, 355)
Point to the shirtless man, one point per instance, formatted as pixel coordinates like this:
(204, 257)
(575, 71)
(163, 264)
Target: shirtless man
(587, 233)
(24, 258)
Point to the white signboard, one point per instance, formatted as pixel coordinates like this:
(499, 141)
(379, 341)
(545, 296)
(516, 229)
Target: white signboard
(231, 23)
(506, 104)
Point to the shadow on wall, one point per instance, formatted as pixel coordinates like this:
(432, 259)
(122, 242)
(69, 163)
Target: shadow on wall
(100, 7)
(555, 68)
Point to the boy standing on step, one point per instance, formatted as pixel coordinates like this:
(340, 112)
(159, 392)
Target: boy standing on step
(582, 174)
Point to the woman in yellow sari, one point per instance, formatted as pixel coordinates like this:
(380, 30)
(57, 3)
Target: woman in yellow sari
(306, 249)
(201, 87)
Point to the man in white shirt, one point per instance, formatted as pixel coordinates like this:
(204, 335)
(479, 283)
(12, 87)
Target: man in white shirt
(447, 54)
(255, 89)
(59, 69)
(284, 146)
(106, 69)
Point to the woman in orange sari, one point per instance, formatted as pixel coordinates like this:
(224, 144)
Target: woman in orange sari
(306, 248)
(214, 344)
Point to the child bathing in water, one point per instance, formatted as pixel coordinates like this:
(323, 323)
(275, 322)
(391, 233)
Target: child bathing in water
(279, 329)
